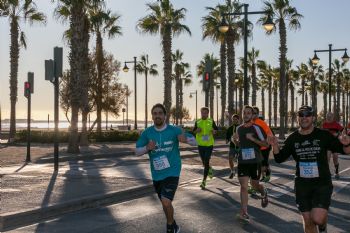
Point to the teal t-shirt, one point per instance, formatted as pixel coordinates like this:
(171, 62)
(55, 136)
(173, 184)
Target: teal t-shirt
(165, 160)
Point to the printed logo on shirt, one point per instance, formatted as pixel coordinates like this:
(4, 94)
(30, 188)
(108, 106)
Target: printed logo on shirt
(316, 142)
(296, 145)
(306, 143)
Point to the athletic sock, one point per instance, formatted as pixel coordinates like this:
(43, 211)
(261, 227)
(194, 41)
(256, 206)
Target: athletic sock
(336, 168)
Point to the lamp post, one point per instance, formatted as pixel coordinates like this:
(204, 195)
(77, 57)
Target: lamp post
(224, 27)
(123, 110)
(126, 69)
(194, 93)
(315, 60)
(236, 90)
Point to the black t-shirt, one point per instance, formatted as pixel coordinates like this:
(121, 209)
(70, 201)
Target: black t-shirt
(249, 151)
(229, 133)
(310, 153)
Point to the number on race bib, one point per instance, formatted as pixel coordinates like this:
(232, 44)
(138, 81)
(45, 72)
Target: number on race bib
(308, 169)
(248, 153)
(160, 163)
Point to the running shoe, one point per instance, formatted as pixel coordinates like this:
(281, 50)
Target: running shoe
(267, 179)
(337, 172)
(264, 199)
(251, 190)
(210, 173)
(323, 228)
(203, 184)
(244, 218)
(232, 175)
(176, 228)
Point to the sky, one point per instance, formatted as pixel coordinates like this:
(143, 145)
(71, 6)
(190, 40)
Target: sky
(324, 22)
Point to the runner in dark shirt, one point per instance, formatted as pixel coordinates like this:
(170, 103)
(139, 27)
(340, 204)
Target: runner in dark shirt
(233, 150)
(313, 184)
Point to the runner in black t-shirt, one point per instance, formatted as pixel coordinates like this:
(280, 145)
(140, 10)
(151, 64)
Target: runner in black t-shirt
(313, 184)
(250, 138)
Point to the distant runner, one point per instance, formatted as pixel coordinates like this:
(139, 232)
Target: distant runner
(205, 128)
(233, 149)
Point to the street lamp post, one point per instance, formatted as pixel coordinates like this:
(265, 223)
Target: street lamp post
(315, 60)
(224, 27)
(194, 93)
(126, 69)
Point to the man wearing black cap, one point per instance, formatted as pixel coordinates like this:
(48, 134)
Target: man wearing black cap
(313, 184)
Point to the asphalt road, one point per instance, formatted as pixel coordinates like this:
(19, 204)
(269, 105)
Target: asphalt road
(210, 210)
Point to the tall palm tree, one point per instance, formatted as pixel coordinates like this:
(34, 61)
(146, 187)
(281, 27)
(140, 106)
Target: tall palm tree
(179, 70)
(103, 22)
(143, 67)
(283, 15)
(264, 82)
(166, 21)
(210, 24)
(252, 63)
(292, 83)
(76, 12)
(20, 11)
(337, 67)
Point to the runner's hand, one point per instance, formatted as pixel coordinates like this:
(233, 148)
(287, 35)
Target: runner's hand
(151, 145)
(272, 140)
(344, 138)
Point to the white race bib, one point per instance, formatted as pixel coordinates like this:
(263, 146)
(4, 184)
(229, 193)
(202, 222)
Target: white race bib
(248, 153)
(160, 163)
(205, 138)
(308, 169)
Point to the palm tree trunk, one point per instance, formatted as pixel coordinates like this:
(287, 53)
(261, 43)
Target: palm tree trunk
(211, 98)
(177, 102)
(14, 56)
(167, 60)
(76, 63)
(270, 101)
(286, 106)
(240, 101)
(254, 85)
(283, 81)
(292, 104)
(231, 72)
(275, 104)
(181, 101)
(99, 64)
(222, 81)
(84, 83)
(146, 99)
(263, 102)
(343, 107)
(325, 105)
(337, 112)
(306, 98)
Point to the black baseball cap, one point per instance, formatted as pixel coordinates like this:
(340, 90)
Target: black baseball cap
(305, 110)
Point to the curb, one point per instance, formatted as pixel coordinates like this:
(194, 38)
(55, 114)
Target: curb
(13, 220)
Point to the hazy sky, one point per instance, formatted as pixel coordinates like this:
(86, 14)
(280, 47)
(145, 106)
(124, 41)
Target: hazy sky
(324, 22)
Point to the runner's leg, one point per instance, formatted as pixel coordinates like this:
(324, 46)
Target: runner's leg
(243, 181)
(309, 225)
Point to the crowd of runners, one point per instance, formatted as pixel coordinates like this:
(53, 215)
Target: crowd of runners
(251, 142)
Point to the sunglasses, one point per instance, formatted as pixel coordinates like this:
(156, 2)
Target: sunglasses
(304, 114)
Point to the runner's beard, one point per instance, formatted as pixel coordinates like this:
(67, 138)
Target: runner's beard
(158, 122)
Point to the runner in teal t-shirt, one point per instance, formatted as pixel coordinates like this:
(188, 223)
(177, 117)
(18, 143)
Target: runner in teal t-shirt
(161, 142)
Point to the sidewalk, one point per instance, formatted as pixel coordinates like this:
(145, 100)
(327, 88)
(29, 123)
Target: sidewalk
(102, 174)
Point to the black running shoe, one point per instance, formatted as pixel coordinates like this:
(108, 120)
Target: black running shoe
(323, 228)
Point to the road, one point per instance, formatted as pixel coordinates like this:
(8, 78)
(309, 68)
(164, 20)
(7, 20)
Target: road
(210, 210)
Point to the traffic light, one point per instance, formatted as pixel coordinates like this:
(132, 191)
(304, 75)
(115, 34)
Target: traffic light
(206, 81)
(26, 89)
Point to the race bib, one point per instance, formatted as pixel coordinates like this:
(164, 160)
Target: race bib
(248, 153)
(205, 138)
(160, 163)
(308, 169)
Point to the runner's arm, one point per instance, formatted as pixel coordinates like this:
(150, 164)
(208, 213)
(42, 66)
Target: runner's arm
(280, 155)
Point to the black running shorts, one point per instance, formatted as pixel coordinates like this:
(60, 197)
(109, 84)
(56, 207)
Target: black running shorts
(251, 170)
(309, 196)
(166, 188)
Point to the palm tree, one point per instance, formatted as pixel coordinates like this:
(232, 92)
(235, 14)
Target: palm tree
(103, 22)
(263, 82)
(252, 60)
(292, 83)
(210, 24)
(143, 67)
(337, 66)
(20, 11)
(166, 21)
(77, 14)
(282, 13)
